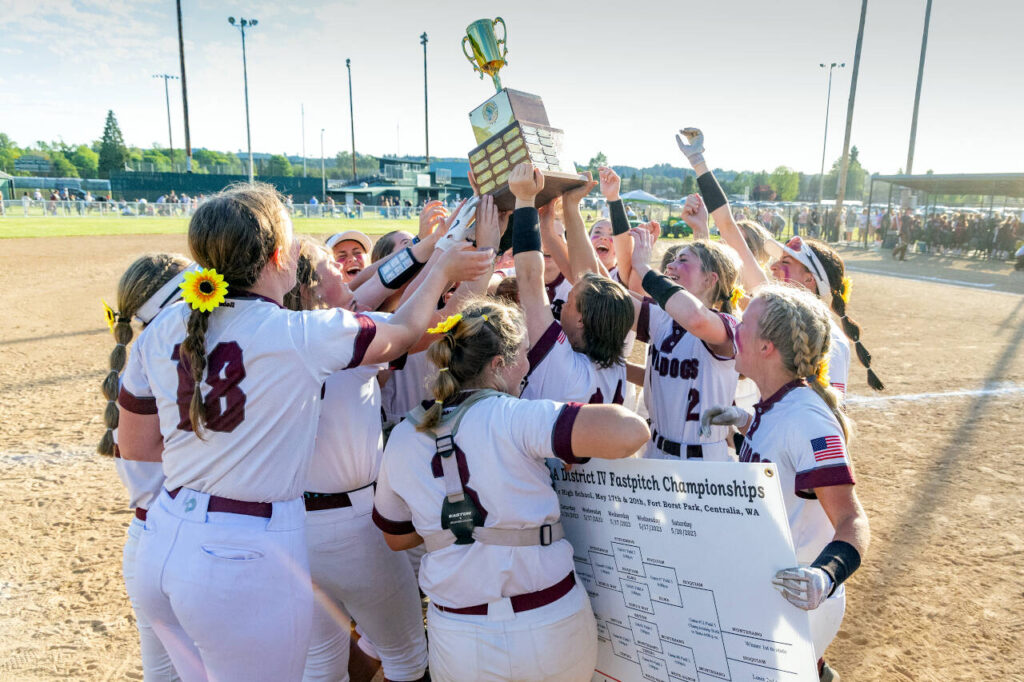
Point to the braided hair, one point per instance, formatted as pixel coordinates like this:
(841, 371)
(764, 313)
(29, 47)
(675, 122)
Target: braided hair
(236, 232)
(138, 284)
(463, 352)
(839, 285)
(797, 323)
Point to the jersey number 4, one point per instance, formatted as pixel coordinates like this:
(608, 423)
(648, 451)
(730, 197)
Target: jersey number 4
(225, 403)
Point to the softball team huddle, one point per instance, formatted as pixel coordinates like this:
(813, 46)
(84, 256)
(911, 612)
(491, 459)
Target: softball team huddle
(248, 424)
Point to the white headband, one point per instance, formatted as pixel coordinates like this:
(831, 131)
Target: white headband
(165, 295)
(806, 257)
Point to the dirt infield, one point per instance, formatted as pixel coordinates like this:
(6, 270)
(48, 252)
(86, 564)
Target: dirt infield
(939, 596)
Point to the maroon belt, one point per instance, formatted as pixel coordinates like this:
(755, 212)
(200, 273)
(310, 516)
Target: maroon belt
(321, 501)
(522, 602)
(223, 504)
(140, 513)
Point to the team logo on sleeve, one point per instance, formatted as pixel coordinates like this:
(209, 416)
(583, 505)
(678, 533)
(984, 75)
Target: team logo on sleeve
(827, 447)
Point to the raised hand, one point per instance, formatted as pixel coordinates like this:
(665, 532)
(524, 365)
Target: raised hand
(654, 227)
(643, 248)
(488, 223)
(526, 182)
(691, 144)
(695, 214)
(610, 183)
(432, 215)
(574, 196)
(463, 263)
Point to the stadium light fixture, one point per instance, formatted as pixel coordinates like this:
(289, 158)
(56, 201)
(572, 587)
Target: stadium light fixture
(241, 25)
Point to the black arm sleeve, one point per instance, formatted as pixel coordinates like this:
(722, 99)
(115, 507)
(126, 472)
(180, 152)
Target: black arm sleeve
(525, 230)
(620, 223)
(714, 197)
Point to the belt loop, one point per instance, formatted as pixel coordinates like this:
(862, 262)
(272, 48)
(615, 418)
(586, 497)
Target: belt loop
(500, 610)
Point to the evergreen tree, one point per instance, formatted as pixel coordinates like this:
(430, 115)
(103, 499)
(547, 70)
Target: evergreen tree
(113, 152)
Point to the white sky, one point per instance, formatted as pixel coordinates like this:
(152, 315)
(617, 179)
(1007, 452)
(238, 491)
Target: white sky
(617, 77)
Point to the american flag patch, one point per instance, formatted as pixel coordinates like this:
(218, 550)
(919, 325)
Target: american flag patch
(840, 387)
(827, 447)
(561, 337)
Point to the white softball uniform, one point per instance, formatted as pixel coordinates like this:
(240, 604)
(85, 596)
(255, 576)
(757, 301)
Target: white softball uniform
(838, 358)
(143, 481)
(228, 592)
(500, 448)
(407, 386)
(795, 429)
(557, 372)
(558, 293)
(683, 377)
(349, 561)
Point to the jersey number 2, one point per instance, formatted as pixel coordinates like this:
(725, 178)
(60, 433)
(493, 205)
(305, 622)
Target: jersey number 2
(692, 401)
(225, 403)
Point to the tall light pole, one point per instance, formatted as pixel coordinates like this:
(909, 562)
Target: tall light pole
(323, 174)
(426, 116)
(241, 25)
(845, 163)
(303, 140)
(917, 94)
(824, 144)
(184, 92)
(351, 117)
(170, 136)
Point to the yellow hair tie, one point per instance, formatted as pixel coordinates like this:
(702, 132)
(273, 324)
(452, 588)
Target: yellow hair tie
(446, 326)
(485, 317)
(845, 293)
(111, 316)
(203, 289)
(443, 369)
(737, 294)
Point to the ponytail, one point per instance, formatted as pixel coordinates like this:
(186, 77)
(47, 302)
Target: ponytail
(122, 331)
(193, 354)
(446, 386)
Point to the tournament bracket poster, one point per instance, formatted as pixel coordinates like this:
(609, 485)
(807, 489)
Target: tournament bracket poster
(678, 559)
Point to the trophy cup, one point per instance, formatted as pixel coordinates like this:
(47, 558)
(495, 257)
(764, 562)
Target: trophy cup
(511, 127)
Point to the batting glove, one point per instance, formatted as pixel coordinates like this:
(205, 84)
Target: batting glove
(722, 416)
(804, 587)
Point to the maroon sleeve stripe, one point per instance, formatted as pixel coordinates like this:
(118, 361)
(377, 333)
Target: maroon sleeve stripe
(643, 321)
(822, 477)
(392, 527)
(399, 363)
(561, 435)
(729, 332)
(367, 330)
(135, 404)
(544, 345)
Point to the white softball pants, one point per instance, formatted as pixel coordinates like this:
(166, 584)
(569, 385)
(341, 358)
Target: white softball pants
(355, 573)
(556, 643)
(156, 664)
(227, 594)
(826, 619)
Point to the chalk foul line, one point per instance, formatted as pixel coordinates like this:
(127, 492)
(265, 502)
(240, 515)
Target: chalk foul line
(882, 401)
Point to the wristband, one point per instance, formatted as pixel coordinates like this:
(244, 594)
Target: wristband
(711, 191)
(399, 269)
(660, 287)
(416, 240)
(525, 230)
(839, 559)
(620, 223)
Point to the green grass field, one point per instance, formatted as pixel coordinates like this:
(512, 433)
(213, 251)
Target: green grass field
(19, 228)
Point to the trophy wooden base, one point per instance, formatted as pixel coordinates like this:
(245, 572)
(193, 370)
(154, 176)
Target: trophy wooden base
(554, 185)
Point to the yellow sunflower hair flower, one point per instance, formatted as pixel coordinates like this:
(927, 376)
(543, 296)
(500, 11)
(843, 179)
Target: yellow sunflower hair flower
(845, 293)
(111, 316)
(203, 289)
(822, 375)
(446, 326)
(737, 294)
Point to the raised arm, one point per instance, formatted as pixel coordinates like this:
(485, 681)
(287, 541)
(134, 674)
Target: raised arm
(582, 258)
(622, 240)
(692, 145)
(552, 241)
(400, 332)
(526, 182)
(685, 308)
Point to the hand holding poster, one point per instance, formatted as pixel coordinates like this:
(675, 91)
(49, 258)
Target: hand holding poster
(678, 561)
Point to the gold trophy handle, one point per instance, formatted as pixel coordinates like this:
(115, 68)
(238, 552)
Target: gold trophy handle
(504, 36)
(470, 57)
